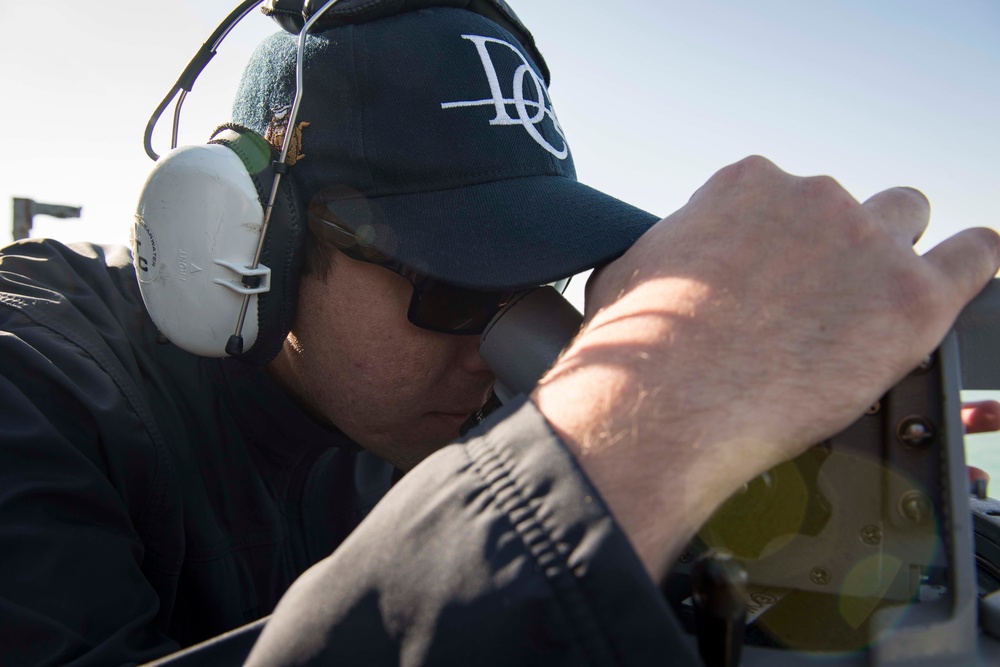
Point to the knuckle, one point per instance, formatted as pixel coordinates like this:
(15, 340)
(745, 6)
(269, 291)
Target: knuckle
(751, 166)
(826, 188)
(980, 261)
(901, 202)
(916, 198)
(842, 212)
(989, 239)
(917, 295)
(756, 166)
(757, 163)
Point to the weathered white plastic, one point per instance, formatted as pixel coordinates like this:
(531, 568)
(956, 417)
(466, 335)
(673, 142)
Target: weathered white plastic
(198, 219)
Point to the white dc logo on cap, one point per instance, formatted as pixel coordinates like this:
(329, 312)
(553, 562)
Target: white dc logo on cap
(541, 107)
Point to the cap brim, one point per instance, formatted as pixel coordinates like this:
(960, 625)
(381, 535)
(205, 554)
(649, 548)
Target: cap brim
(498, 235)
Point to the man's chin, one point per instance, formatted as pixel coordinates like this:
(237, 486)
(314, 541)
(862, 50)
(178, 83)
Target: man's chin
(446, 424)
(434, 431)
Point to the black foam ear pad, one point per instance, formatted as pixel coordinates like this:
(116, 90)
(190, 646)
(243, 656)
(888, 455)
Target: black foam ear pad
(284, 242)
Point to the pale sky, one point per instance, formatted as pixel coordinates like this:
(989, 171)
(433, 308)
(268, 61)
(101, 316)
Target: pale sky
(654, 95)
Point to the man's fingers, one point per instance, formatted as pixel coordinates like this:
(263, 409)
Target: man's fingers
(905, 212)
(967, 261)
(977, 474)
(981, 417)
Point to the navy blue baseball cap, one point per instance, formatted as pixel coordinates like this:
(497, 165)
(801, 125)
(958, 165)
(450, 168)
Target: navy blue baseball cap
(431, 135)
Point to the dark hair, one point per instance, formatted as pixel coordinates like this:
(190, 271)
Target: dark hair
(319, 257)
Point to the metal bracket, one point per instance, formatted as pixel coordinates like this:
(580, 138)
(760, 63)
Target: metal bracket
(261, 273)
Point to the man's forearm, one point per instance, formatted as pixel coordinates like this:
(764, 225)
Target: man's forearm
(658, 443)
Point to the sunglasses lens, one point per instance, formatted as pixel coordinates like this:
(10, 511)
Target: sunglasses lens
(442, 307)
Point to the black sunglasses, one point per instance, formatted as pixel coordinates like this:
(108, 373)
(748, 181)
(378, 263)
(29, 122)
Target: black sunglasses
(435, 305)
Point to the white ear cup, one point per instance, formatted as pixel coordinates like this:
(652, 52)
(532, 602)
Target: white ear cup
(196, 231)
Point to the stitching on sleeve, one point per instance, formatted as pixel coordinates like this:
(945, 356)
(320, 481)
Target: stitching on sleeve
(490, 462)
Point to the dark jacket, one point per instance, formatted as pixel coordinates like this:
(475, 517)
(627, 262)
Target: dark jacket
(150, 499)
(492, 552)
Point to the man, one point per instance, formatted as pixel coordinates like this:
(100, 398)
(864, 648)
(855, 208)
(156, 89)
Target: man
(151, 499)
(695, 371)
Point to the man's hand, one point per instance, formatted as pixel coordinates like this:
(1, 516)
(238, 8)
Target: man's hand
(981, 416)
(762, 317)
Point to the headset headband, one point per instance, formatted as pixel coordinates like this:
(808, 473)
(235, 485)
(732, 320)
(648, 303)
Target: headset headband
(292, 15)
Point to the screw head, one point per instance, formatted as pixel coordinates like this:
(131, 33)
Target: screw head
(874, 408)
(915, 432)
(915, 507)
(871, 534)
(819, 576)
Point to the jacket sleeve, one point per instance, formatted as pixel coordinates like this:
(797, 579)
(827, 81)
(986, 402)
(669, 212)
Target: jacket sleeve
(497, 551)
(72, 589)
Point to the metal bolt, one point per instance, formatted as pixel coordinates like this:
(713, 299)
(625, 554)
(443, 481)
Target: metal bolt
(874, 408)
(915, 507)
(871, 534)
(687, 556)
(819, 576)
(915, 432)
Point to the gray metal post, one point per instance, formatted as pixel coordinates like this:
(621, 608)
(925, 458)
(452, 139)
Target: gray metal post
(26, 209)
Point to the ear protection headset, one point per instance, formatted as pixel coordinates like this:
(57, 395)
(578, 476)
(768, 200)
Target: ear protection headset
(220, 229)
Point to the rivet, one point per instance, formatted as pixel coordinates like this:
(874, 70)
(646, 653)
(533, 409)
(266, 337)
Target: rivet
(871, 534)
(915, 432)
(819, 576)
(915, 507)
